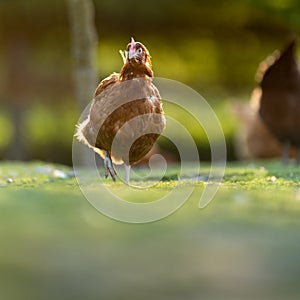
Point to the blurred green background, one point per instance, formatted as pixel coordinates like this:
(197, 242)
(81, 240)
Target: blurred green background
(212, 46)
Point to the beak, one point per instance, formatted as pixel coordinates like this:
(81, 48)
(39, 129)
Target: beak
(132, 51)
(131, 54)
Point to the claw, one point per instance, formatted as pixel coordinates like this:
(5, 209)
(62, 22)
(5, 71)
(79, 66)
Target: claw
(109, 168)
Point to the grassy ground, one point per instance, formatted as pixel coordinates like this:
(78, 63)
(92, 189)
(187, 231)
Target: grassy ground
(244, 245)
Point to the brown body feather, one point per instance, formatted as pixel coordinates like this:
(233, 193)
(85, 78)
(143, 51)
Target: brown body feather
(126, 107)
(280, 99)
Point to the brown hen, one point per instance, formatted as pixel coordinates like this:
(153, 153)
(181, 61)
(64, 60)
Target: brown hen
(280, 98)
(126, 115)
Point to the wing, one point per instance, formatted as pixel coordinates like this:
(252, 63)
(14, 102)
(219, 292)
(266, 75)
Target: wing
(113, 78)
(87, 131)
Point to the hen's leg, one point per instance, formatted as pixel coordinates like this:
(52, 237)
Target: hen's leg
(285, 153)
(127, 174)
(109, 167)
(298, 156)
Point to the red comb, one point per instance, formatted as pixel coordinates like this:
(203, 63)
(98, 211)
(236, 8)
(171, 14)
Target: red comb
(132, 43)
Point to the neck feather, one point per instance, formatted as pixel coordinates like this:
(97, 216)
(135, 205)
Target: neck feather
(130, 71)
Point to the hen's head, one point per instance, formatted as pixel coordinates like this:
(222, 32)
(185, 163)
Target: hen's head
(137, 53)
(137, 61)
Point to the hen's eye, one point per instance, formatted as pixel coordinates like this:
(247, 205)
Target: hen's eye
(140, 50)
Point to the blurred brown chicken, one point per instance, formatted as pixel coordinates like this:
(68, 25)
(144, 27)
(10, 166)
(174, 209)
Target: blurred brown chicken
(126, 115)
(253, 139)
(280, 98)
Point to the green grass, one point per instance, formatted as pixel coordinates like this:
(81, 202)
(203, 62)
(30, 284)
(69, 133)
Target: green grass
(244, 245)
